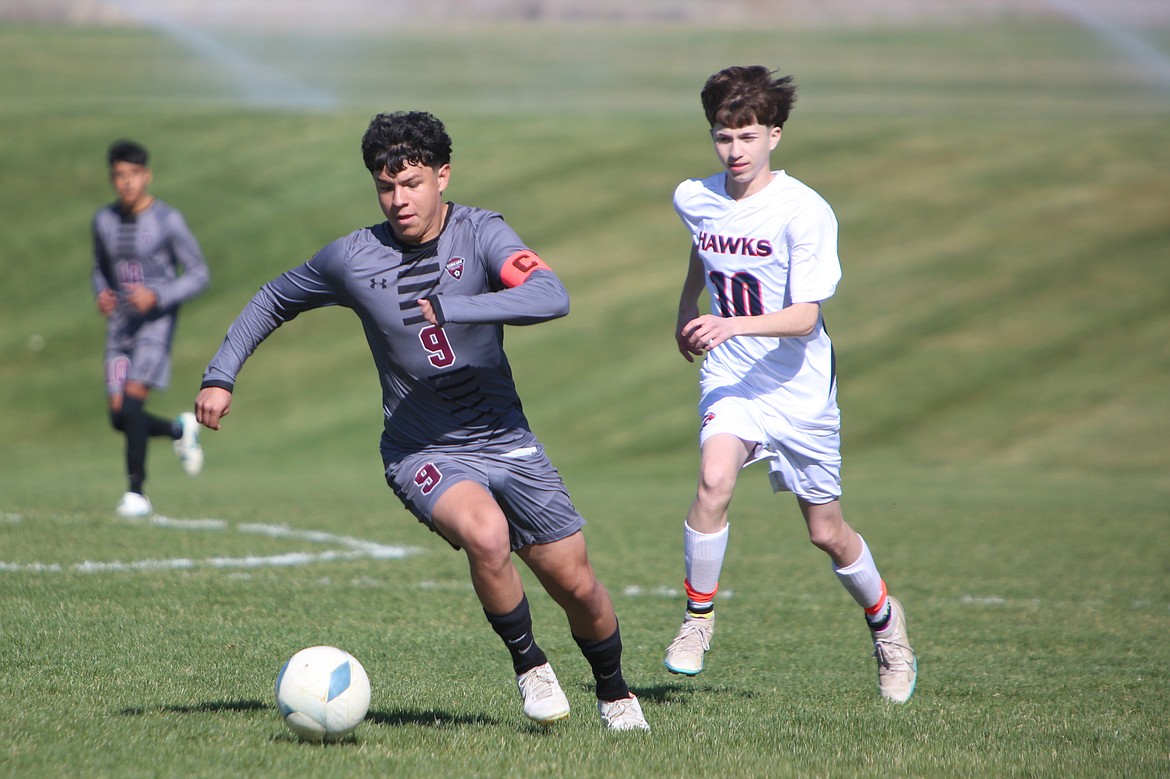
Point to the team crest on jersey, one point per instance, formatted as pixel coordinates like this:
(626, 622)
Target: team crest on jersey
(455, 267)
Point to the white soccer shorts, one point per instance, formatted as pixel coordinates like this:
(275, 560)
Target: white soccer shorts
(803, 460)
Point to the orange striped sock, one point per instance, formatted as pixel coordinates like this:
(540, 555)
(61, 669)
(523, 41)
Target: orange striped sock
(878, 615)
(699, 604)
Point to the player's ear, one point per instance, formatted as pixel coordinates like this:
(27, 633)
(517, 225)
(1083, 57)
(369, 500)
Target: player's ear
(444, 175)
(774, 138)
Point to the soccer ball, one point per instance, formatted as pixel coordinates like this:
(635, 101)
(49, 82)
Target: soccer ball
(322, 693)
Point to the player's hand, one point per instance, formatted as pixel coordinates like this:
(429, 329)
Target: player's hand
(107, 301)
(428, 311)
(211, 405)
(686, 315)
(143, 299)
(704, 333)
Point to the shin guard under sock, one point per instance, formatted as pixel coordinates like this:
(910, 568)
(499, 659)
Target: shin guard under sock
(515, 628)
(605, 658)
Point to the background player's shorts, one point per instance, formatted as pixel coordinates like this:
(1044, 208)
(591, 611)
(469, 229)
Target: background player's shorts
(804, 461)
(524, 483)
(141, 353)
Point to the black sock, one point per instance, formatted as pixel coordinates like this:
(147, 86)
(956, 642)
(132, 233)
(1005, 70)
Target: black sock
(161, 427)
(605, 658)
(515, 628)
(135, 426)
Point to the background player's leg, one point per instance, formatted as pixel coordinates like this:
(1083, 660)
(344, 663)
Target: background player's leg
(829, 532)
(857, 572)
(705, 535)
(720, 460)
(136, 427)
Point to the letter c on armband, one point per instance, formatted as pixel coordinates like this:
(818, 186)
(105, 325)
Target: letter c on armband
(519, 267)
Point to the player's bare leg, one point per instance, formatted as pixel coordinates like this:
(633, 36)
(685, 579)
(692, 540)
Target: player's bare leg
(705, 541)
(564, 571)
(855, 568)
(468, 516)
(720, 461)
(828, 531)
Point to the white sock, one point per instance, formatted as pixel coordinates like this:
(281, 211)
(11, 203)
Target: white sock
(703, 554)
(862, 580)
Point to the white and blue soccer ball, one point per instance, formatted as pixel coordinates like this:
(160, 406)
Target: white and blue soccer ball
(323, 693)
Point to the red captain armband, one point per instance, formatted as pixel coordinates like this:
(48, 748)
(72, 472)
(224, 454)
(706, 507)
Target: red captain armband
(519, 267)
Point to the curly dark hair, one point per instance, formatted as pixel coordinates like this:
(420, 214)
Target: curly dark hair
(395, 140)
(123, 150)
(739, 96)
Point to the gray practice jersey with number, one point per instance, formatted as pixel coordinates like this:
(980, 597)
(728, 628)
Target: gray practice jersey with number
(445, 387)
(150, 248)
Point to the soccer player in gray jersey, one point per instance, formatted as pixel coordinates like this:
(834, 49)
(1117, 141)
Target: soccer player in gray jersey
(433, 287)
(146, 264)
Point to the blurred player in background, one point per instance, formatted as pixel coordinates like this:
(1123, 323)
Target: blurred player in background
(765, 248)
(146, 264)
(433, 286)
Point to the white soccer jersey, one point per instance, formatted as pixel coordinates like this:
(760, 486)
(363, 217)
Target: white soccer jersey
(761, 254)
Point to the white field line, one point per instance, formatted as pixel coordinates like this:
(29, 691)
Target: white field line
(662, 591)
(350, 548)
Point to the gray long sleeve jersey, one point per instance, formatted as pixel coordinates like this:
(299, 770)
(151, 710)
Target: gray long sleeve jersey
(446, 387)
(149, 248)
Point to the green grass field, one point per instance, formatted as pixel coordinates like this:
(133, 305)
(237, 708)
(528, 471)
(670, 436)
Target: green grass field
(1003, 337)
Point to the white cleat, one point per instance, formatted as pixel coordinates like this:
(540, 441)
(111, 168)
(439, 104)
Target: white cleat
(544, 701)
(623, 714)
(685, 653)
(897, 664)
(187, 445)
(134, 505)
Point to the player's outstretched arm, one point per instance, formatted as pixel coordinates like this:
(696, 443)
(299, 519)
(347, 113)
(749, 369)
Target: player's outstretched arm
(211, 405)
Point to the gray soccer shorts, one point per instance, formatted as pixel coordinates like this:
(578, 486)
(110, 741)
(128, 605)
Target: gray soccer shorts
(138, 350)
(524, 483)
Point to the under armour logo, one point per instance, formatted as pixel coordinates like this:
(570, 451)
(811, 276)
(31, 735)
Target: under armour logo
(375, 282)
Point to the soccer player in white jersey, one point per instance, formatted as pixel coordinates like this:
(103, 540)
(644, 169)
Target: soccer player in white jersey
(146, 265)
(765, 248)
(433, 286)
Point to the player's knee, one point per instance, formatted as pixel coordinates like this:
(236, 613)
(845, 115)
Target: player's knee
(716, 487)
(828, 539)
(582, 585)
(117, 420)
(583, 595)
(486, 547)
